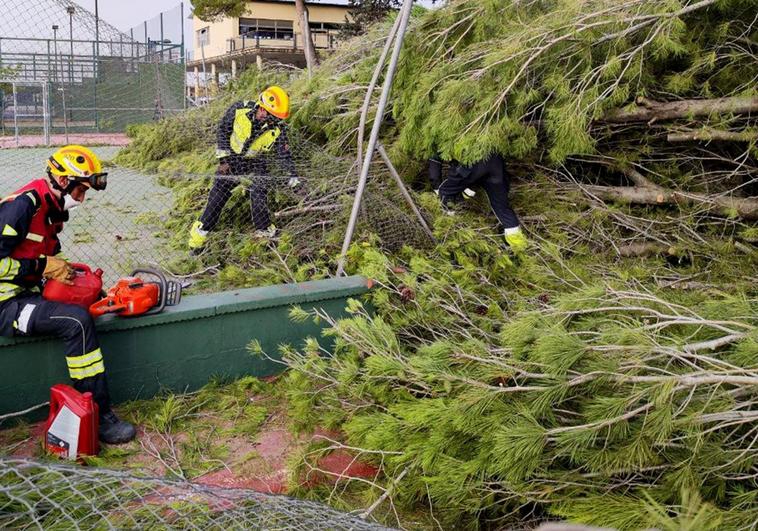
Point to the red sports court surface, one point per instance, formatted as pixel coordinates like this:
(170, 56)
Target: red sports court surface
(85, 139)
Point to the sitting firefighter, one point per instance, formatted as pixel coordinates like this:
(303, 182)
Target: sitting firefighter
(30, 220)
(248, 130)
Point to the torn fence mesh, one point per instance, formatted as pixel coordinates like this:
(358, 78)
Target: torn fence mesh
(44, 495)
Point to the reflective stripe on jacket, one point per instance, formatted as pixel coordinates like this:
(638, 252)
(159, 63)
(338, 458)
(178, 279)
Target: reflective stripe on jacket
(240, 139)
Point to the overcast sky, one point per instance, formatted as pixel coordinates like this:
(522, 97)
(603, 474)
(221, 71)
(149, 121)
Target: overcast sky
(127, 14)
(130, 13)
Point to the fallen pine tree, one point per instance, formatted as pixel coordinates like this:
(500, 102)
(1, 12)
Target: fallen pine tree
(607, 378)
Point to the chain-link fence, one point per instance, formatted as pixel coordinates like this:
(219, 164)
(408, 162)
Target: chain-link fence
(269, 184)
(55, 496)
(64, 72)
(114, 230)
(302, 194)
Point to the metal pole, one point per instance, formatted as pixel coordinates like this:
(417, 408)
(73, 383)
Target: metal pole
(181, 9)
(404, 190)
(94, 84)
(65, 115)
(405, 14)
(71, 11)
(97, 30)
(370, 91)
(15, 113)
(46, 112)
(55, 44)
(161, 36)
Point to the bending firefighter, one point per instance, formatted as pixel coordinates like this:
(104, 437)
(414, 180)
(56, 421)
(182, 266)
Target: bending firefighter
(30, 221)
(247, 131)
(490, 174)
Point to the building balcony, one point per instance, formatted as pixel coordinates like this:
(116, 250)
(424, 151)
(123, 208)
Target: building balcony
(270, 45)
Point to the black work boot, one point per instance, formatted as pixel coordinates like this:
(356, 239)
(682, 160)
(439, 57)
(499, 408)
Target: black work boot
(115, 431)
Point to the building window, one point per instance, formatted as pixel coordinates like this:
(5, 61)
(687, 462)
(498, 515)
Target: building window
(204, 36)
(324, 26)
(266, 29)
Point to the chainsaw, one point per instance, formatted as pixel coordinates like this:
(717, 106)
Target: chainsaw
(133, 295)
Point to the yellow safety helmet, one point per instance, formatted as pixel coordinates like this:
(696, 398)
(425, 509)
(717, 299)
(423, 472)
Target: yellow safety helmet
(79, 164)
(276, 101)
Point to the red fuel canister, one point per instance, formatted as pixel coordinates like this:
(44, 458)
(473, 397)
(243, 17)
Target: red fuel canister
(71, 428)
(85, 290)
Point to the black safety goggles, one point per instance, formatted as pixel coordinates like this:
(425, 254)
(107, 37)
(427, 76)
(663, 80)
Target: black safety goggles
(96, 181)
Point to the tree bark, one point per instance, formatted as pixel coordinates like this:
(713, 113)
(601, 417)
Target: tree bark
(708, 135)
(745, 208)
(652, 111)
(311, 60)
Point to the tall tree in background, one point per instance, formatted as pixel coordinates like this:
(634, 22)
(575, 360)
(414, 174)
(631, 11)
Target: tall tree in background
(311, 59)
(366, 12)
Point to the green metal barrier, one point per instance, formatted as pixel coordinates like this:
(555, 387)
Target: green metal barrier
(181, 348)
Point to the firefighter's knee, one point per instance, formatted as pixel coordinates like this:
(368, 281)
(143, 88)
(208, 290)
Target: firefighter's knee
(74, 321)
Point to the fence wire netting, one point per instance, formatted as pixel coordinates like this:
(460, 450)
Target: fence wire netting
(55, 496)
(64, 74)
(94, 83)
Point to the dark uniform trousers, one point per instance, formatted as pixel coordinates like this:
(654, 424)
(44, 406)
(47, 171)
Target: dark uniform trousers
(28, 314)
(490, 174)
(223, 184)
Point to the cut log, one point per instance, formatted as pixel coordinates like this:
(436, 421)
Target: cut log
(653, 111)
(645, 249)
(708, 135)
(745, 208)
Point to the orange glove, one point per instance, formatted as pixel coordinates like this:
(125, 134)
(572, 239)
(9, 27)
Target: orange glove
(59, 270)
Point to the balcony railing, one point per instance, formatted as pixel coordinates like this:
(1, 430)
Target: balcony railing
(322, 40)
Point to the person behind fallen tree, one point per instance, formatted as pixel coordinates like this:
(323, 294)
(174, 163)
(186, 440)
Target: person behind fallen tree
(489, 174)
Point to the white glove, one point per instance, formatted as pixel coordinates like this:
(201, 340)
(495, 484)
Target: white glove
(294, 182)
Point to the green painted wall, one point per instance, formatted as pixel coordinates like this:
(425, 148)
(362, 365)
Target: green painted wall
(181, 348)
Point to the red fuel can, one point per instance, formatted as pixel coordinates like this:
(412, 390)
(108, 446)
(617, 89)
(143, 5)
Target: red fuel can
(71, 428)
(85, 290)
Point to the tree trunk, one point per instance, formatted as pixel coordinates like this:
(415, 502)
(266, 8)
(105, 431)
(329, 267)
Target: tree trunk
(311, 60)
(745, 208)
(708, 135)
(652, 111)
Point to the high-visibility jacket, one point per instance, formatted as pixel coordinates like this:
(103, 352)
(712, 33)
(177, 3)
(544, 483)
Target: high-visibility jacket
(241, 135)
(31, 219)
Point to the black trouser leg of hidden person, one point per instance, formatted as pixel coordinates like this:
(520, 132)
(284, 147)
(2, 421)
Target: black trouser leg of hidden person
(220, 193)
(452, 187)
(491, 175)
(34, 316)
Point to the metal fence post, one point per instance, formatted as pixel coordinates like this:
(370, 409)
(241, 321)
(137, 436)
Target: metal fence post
(381, 106)
(15, 112)
(46, 111)
(95, 60)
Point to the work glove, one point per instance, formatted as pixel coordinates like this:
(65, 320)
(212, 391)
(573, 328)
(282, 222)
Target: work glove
(57, 269)
(293, 182)
(516, 239)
